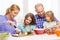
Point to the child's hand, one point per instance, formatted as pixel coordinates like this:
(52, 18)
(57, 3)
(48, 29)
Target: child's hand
(47, 30)
(18, 30)
(54, 28)
(21, 34)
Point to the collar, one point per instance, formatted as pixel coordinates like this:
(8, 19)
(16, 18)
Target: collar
(39, 16)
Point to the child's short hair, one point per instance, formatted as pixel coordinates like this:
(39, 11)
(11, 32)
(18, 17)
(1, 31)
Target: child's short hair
(32, 17)
(50, 14)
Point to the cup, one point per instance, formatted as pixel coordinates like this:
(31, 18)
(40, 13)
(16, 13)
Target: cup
(57, 32)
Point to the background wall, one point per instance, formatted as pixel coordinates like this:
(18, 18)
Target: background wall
(48, 5)
(28, 6)
(4, 4)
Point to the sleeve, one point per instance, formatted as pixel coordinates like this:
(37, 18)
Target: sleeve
(15, 21)
(21, 27)
(44, 24)
(33, 27)
(2, 20)
(55, 19)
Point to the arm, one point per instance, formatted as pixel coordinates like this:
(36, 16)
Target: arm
(33, 27)
(58, 25)
(4, 20)
(45, 28)
(56, 19)
(55, 26)
(18, 30)
(21, 27)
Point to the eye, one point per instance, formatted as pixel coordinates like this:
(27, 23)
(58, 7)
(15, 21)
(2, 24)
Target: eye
(16, 12)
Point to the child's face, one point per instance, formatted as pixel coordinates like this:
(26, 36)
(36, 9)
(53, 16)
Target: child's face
(47, 18)
(28, 20)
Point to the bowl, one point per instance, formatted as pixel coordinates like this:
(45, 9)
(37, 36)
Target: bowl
(57, 32)
(39, 31)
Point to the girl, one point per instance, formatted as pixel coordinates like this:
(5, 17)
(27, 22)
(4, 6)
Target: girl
(29, 24)
(49, 24)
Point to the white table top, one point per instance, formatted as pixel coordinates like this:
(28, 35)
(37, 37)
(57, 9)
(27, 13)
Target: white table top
(35, 37)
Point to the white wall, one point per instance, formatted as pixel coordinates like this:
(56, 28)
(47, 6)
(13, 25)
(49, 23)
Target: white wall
(28, 6)
(56, 8)
(48, 5)
(4, 4)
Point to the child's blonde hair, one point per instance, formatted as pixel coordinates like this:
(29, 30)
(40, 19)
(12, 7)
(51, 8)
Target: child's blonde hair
(50, 14)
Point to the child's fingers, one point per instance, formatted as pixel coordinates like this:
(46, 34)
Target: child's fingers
(46, 30)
